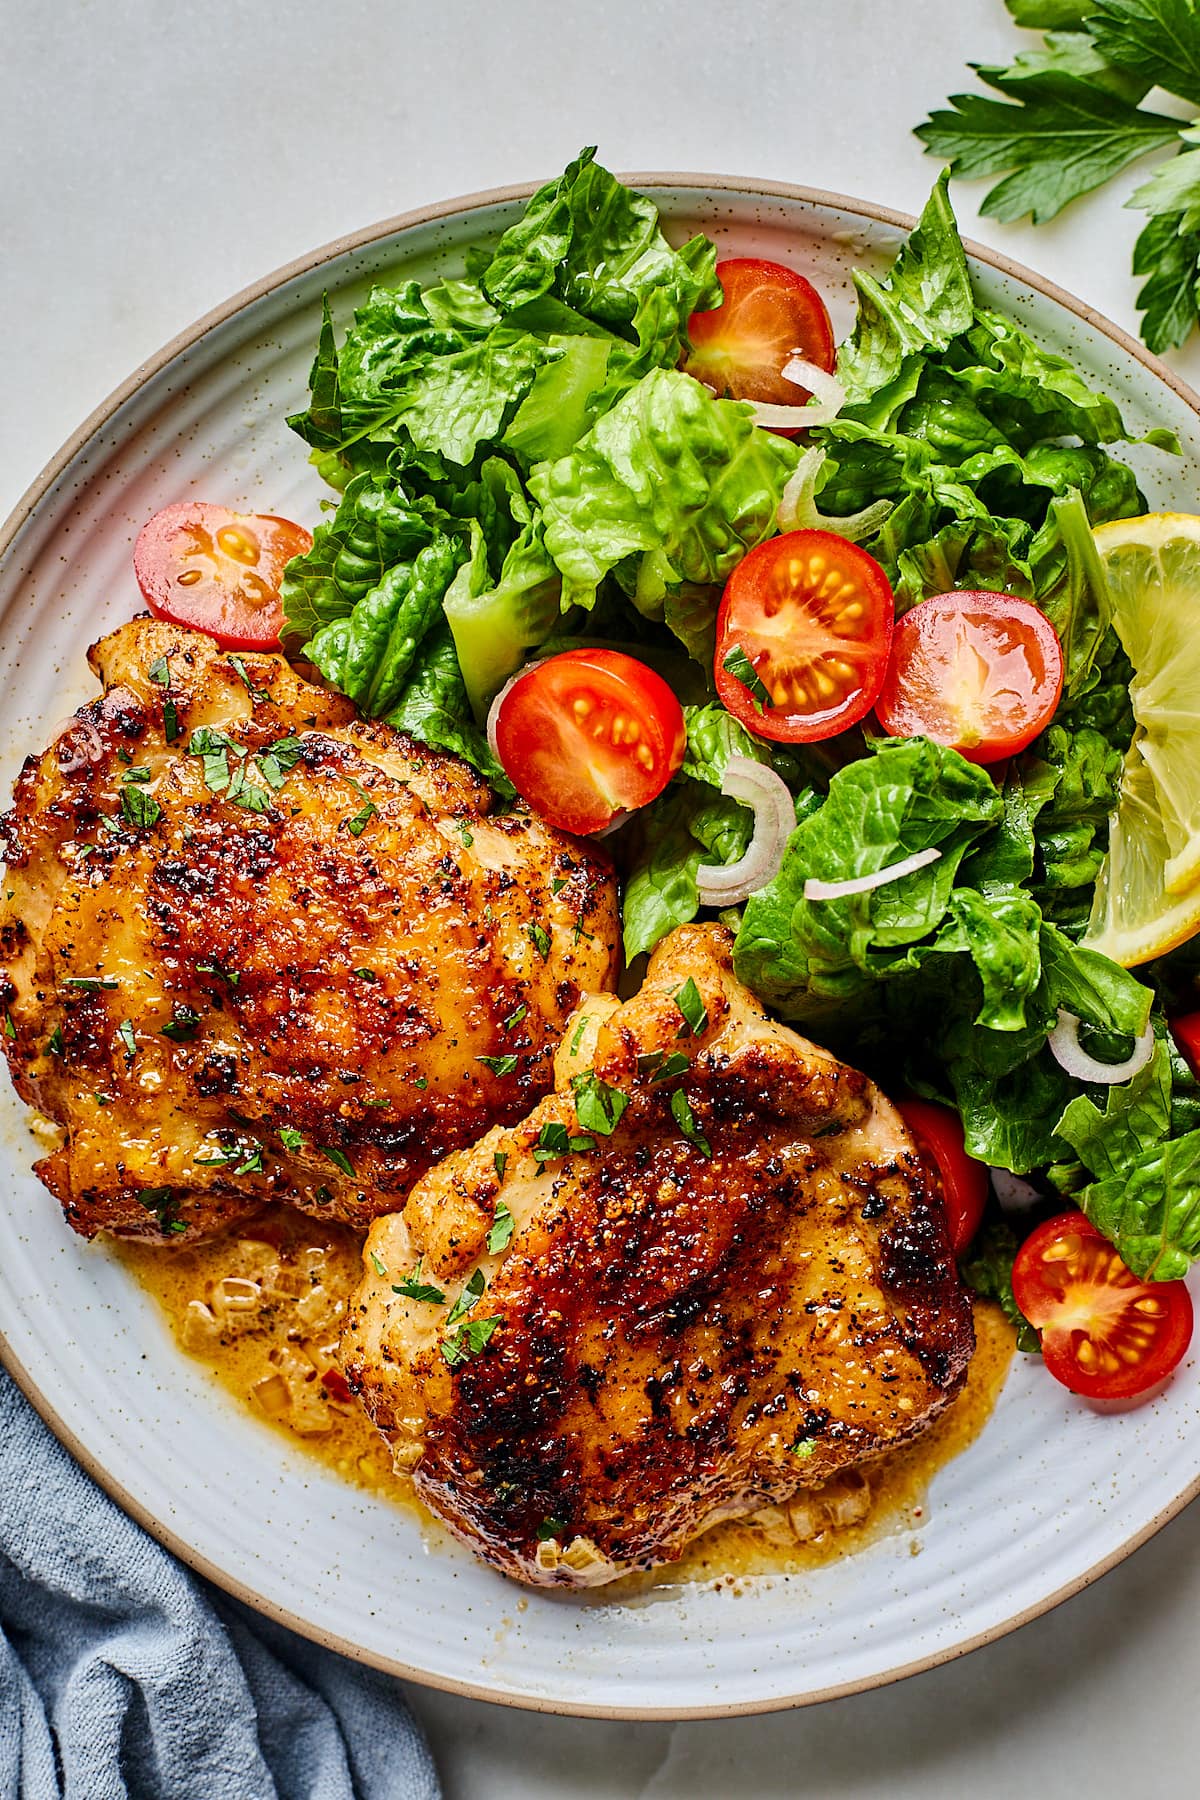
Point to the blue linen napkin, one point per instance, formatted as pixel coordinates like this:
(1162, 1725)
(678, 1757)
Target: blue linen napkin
(123, 1676)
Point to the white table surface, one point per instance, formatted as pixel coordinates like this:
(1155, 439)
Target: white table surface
(156, 156)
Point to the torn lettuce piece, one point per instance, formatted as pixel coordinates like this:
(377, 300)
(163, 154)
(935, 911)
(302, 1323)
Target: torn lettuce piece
(496, 624)
(376, 527)
(671, 486)
(599, 248)
(370, 653)
(434, 709)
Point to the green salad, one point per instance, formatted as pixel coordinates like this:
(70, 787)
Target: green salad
(524, 465)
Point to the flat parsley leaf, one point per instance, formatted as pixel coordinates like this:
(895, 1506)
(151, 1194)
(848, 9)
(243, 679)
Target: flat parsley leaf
(598, 1107)
(681, 1111)
(738, 664)
(503, 1226)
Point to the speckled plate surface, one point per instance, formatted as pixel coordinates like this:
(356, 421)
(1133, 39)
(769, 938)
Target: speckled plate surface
(1047, 1498)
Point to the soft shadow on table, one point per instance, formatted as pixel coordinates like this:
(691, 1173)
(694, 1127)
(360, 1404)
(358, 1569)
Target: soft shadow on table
(917, 1738)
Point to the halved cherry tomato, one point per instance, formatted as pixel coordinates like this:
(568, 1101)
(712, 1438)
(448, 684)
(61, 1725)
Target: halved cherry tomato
(803, 632)
(979, 672)
(1186, 1031)
(588, 735)
(1105, 1334)
(964, 1182)
(218, 571)
(769, 315)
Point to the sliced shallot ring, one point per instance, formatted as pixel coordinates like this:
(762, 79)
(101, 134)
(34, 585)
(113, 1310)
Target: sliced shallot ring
(862, 884)
(797, 510)
(1014, 1193)
(1070, 1054)
(769, 798)
(829, 397)
(87, 748)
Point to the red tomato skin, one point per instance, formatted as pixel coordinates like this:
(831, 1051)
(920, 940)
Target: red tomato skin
(907, 708)
(233, 598)
(1185, 1029)
(539, 763)
(769, 314)
(963, 1180)
(746, 599)
(1061, 1316)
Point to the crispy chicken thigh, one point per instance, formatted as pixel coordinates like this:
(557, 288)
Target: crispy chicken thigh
(707, 1271)
(254, 947)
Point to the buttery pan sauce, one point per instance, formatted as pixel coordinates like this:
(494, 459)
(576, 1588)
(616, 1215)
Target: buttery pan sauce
(263, 1308)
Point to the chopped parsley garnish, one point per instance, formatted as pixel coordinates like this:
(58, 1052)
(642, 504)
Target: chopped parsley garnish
(290, 1138)
(550, 1528)
(514, 1019)
(539, 937)
(170, 720)
(54, 1043)
(160, 672)
(141, 773)
(140, 808)
(256, 693)
(469, 1296)
(323, 1195)
(213, 748)
(124, 755)
(803, 1448)
(244, 792)
(468, 1340)
(377, 1262)
(598, 1107)
(501, 1234)
(695, 1013)
(10, 1030)
(500, 1163)
(554, 1140)
(577, 1035)
(215, 968)
(91, 984)
(161, 1201)
(421, 1083)
(412, 1287)
(365, 974)
(678, 1063)
(467, 836)
(685, 1119)
(499, 1065)
(181, 1026)
(338, 1158)
(558, 884)
(277, 761)
(243, 1159)
(125, 1033)
(358, 824)
(738, 664)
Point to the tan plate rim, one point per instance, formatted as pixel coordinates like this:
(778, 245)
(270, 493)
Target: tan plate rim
(26, 506)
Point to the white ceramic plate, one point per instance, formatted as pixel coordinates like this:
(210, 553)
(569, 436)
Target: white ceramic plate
(1047, 1498)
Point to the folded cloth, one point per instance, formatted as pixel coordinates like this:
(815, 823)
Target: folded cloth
(122, 1674)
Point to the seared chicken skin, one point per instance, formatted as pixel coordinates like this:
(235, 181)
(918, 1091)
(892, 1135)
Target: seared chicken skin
(256, 948)
(707, 1271)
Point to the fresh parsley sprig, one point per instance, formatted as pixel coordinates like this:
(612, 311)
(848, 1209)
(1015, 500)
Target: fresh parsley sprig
(1071, 117)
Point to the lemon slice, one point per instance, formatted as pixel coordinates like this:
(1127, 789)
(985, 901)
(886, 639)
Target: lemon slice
(1148, 891)
(1133, 916)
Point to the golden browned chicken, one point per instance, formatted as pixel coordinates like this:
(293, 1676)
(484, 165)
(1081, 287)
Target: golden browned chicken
(254, 947)
(706, 1272)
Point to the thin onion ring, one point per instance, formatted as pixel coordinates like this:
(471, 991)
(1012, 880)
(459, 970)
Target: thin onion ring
(829, 397)
(862, 884)
(1067, 1051)
(768, 796)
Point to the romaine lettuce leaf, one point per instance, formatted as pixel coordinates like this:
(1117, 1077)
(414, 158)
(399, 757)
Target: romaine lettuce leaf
(370, 654)
(921, 305)
(496, 624)
(672, 486)
(598, 247)
(434, 709)
(687, 825)
(375, 528)
(909, 795)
